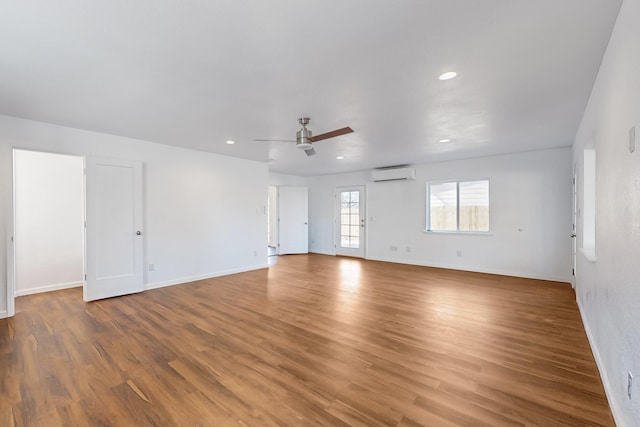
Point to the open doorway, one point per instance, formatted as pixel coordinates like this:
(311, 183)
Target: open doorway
(48, 221)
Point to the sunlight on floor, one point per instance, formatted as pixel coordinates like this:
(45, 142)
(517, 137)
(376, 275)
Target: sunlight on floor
(350, 274)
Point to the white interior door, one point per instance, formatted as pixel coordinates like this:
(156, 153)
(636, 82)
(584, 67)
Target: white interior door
(350, 221)
(293, 211)
(272, 235)
(114, 228)
(574, 230)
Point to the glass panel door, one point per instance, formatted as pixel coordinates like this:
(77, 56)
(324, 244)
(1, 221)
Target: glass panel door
(350, 221)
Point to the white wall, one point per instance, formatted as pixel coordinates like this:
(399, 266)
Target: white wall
(204, 213)
(49, 240)
(281, 179)
(531, 199)
(608, 290)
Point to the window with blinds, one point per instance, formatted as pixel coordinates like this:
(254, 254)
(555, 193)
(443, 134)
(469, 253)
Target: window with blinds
(458, 206)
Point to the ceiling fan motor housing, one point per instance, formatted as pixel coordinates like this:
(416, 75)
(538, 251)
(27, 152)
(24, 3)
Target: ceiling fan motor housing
(303, 138)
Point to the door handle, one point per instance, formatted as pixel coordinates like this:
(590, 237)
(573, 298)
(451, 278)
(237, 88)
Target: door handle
(138, 233)
(573, 235)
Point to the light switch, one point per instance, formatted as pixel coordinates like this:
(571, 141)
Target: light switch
(632, 139)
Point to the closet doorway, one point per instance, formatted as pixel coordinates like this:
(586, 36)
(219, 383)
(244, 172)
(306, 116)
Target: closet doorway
(48, 221)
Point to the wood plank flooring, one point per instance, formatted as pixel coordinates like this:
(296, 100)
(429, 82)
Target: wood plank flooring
(314, 340)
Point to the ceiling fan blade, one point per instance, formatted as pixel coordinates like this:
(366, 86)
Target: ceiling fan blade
(331, 134)
(274, 140)
(310, 152)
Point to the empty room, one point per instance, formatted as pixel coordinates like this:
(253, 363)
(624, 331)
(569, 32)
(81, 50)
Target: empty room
(355, 213)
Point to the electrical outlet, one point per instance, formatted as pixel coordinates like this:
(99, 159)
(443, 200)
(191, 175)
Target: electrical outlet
(255, 253)
(152, 267)
(408, 249)
(629, 383)
(459, 252)
(393, 248)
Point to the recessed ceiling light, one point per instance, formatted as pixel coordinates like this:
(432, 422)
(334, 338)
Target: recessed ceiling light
(445, 140)
(448, 76)
(340, 157)
(230, 142)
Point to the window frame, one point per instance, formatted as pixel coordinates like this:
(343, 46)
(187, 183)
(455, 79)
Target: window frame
(457, 230)
(350, 224)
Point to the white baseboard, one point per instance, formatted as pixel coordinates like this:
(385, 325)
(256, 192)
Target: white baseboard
(3, 314)
(182, 280)
(499, 272)
(47, 288)
(322, 252)
(617, 417)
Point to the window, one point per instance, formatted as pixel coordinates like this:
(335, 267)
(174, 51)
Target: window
(350, 219)
(458, 206)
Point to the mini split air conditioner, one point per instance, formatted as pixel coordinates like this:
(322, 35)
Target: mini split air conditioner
(393, 173)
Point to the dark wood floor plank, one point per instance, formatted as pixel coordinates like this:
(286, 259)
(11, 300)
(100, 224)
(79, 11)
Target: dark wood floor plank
(314, 340)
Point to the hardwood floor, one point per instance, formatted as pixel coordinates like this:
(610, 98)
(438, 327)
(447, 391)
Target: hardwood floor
(315, 340)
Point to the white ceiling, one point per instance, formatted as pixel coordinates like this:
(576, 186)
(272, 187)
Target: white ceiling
(197, 73)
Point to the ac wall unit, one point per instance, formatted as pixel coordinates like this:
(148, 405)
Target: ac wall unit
(393, 174)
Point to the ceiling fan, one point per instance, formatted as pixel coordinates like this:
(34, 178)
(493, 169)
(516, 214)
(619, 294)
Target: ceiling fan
(304, 138)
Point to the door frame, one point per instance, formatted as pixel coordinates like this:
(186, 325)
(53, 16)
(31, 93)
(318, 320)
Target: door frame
(11, 251)
(362, 251)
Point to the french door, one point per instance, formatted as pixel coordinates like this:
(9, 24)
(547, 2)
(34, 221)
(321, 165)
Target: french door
(350, 221)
